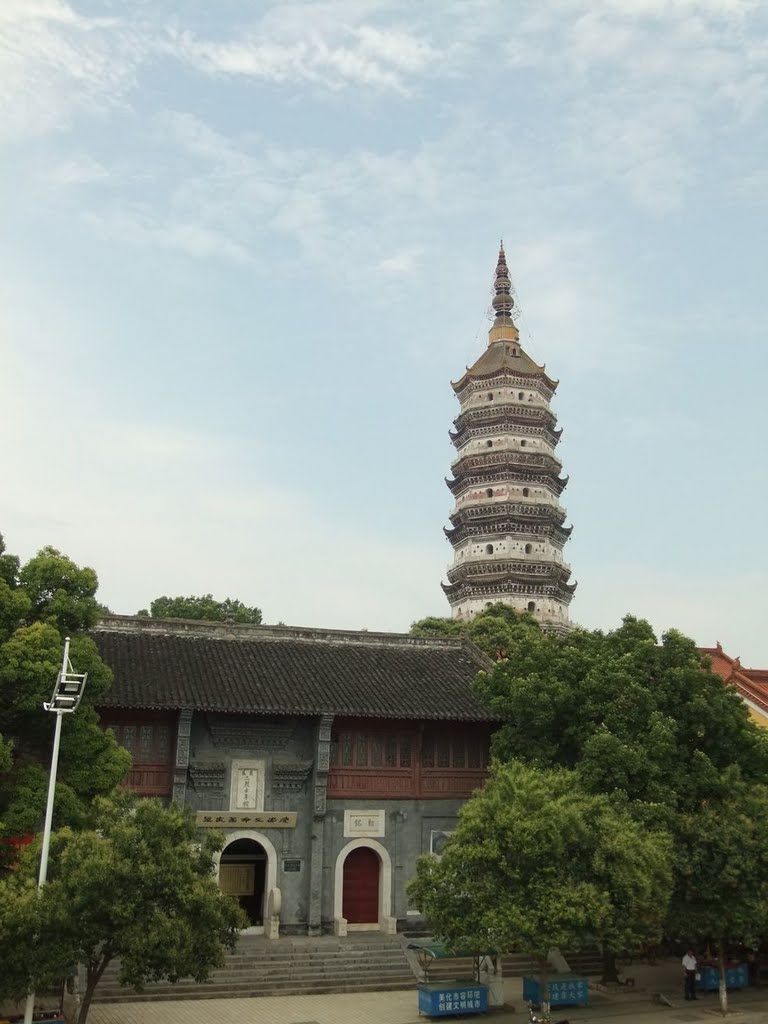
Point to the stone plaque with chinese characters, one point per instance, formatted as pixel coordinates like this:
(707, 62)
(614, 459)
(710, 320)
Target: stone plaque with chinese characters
(245, 819)
(363, 823)
(246, 791)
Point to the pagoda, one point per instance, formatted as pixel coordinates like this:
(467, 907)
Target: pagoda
(507, 527)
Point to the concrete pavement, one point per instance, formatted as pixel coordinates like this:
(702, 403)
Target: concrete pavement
(634, 1007)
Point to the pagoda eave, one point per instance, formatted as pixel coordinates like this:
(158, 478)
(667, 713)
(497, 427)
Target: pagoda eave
(518, 415)
(465, 432)
(510, 458)
(456, 592)
(556, 485)
(493, 376)
(499, 527)
(509, 510)
(524, 571)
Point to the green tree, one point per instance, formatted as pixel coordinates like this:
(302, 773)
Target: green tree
(536, 863)
(638, 720)
(138, 887)
(495, 631)
(40, 601)
(647, 719)
(722, 864)
(204, 607)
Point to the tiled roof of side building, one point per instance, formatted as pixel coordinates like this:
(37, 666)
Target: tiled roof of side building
(751, 683)
(279, 670)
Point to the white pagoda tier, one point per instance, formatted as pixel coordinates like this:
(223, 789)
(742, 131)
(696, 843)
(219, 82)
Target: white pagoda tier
(507, 524)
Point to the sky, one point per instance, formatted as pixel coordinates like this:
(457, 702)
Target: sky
(246, 246)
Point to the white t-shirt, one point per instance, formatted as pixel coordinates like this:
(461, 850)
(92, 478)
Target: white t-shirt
(689, 962)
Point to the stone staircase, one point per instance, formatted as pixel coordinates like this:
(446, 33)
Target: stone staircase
(304, 966)
(288, 966)
(586, 964)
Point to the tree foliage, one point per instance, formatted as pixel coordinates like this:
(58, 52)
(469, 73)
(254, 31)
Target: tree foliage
(204, 607)
(648, 726)
(536, 862)
(495, 631)
(632, 716)
(643, 722)
(721, 860)
(39, 602)
(139, 887)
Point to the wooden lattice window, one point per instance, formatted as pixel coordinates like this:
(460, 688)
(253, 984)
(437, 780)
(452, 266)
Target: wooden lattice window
(346, 750)
(390, 752)
(428, 752)
(371, 750)
(146, 742)
(405, 751)
(361, 757)
(445, 750)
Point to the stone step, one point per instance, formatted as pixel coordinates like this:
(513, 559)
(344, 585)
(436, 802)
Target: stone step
(243, 963)
(292, 969)
(163, 994)
(225, 978)
(331, 955)
(259, 967)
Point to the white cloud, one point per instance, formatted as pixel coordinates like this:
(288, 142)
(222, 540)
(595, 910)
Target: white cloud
(645, 83)
(140, 226)
(56, 64)
(401, 263)
(333, 56)
(157, 508)
(80, 171)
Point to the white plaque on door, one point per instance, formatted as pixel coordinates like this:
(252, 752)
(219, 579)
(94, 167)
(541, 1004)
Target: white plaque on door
(246, 792)
(363, 823)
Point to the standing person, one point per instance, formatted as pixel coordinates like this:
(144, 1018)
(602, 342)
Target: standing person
(689, 966)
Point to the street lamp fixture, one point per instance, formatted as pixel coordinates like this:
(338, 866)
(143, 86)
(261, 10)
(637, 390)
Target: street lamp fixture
(67, 694)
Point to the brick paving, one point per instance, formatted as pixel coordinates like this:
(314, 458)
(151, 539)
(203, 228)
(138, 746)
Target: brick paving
(350, 1008)
(749, 1007)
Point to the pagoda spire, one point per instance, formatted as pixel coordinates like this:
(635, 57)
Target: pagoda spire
(503, 327)
(502, 300)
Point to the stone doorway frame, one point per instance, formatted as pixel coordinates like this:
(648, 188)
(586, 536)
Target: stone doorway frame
(270, 879)
(386, 923)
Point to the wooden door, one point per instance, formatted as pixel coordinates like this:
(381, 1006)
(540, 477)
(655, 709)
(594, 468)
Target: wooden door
(360, 903)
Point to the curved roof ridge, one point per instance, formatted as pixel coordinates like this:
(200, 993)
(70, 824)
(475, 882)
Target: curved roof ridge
(213, 630)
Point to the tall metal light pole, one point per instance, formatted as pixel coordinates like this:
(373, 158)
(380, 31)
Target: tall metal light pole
(67, 694)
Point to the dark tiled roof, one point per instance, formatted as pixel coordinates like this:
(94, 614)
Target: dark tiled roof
(496, 359)
(285, 670)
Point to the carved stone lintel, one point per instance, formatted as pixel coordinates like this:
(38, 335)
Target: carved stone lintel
(248, 735)
(183, 731)
(207, 774)
(320, 786)
(290, 776)
(316, 877)
(179, 787)
(320, 800)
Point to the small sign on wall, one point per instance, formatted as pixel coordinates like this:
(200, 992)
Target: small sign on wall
(240, 819)
(291, 865)
(247, 786)
(366, 824)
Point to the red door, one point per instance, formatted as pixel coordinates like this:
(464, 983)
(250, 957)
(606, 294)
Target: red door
(360, 902)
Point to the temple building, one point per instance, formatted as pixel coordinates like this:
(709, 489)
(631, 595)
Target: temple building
(507, 526)
(329, 759)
